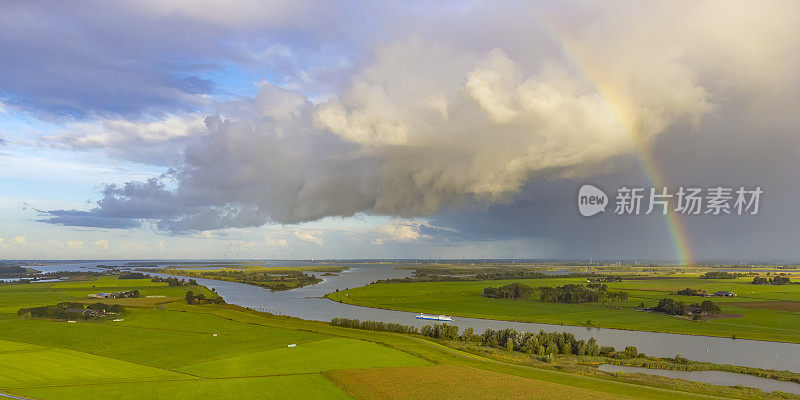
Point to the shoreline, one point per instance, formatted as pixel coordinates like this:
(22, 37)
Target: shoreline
(327, 296)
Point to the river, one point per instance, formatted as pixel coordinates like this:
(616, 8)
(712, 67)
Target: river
(307, 303)
(712, 377)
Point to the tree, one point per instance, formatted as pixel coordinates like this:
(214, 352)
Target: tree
(531, 344)
(671, 307)
(709, 307)
(468, 335)
(780, 280)
(606, 351)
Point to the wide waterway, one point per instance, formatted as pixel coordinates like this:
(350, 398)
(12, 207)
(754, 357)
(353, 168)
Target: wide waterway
(308, 303)
(712, 377)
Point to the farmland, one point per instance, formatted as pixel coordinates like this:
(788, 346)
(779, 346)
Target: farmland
(762, 312)
(173, 350)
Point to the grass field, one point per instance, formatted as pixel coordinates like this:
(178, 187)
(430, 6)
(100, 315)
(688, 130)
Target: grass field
(317, 356)
(452, 382)
(291, 387)
(180, 351)
(764, 322)
(16, 296)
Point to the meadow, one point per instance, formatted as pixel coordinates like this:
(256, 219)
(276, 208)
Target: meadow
(172, 350)
(761, 312)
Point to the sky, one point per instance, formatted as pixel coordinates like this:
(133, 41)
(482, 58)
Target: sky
(383, 129)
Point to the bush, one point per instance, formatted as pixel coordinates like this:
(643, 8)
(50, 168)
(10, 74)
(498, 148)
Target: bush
(469, 335)
(691, 292)
(631, 351)
(132, 275)
(778, 280)
(720, 275)
(373, 325)
(191, 298)
(671, 307)
(606, 351)
(516, 291)
(709, 307)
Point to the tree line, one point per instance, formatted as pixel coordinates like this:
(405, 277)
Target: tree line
(201, 298)
(12, 270)
(542, 343)
(570, 293)
(175, 282)
(132, 275)
(778, 280)
(374, 325)
(721, 275)
(71, 311)
(445, 274)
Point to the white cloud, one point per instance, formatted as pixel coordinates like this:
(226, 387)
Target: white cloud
(156, 140)
(19, 241)
(312, 236)
(400, 231)
(102, 244)
(277, 242)
(74, 244)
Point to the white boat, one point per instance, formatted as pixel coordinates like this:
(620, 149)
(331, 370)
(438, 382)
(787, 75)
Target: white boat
(434, 317)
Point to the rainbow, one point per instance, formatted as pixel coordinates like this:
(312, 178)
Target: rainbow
(616, 104)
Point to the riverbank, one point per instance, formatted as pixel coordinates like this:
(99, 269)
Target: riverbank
(466, 299)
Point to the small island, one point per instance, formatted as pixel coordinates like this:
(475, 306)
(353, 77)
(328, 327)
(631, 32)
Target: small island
(272, 278)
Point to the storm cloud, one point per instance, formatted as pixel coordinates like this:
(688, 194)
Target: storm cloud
(487, 127)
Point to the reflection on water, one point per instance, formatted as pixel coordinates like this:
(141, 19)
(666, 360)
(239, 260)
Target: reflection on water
(713, 377)
(307, 303)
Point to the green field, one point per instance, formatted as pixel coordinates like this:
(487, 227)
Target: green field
(452, 382)
(313, 386)
(317, 356)
(466, 299)
(180, 351)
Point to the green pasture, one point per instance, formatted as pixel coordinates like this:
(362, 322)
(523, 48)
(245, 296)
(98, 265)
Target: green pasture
(317, 356)
(16, 296)
(467, 299)
(159, 338)
(313, 386)
(178, 351)
(53, 366)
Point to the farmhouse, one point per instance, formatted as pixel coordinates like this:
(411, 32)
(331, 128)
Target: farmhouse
(724, 293)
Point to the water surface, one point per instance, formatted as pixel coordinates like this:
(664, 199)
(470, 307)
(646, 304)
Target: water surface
(713, 377)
